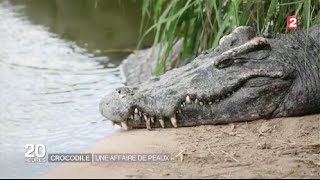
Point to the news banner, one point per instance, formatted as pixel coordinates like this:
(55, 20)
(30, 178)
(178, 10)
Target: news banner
(37, 153)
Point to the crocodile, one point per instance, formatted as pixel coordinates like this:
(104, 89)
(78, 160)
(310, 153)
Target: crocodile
(245, 78)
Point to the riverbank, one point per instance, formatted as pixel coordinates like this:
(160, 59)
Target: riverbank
(277, 148)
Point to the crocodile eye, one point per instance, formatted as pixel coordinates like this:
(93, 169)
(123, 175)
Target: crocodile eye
(225, 63)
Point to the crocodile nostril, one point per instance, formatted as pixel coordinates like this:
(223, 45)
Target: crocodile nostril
(124, 91)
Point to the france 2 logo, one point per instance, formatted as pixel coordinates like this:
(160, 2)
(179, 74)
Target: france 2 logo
(292, 22)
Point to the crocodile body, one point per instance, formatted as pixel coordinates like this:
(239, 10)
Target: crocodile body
(244, 78)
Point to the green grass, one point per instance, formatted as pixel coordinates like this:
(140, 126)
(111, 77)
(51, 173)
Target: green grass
(203, 22)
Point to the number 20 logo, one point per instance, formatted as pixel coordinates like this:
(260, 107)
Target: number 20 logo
(38, 150)
(292, 22)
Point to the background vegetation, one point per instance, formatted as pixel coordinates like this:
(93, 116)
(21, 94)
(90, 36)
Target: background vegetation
(203, 22)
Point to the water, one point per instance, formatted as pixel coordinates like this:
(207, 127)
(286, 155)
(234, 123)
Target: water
(50, 87)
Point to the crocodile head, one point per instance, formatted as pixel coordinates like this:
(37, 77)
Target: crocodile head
(244, 78)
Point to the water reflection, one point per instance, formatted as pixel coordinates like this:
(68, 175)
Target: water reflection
(50, 88)
(96, 25)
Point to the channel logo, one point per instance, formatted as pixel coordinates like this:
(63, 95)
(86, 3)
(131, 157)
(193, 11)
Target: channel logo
(292, 22)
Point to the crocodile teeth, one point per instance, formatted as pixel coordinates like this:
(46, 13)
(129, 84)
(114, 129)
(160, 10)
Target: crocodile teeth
(210, 103)
(148, 123)
(140, 113)
(161, 123)
(188, 100)
(124, 125)
(201, 103)
(182, 106)
(196, 101)
(131, 117)
(152, 119)
(136, 111)
(174, 121)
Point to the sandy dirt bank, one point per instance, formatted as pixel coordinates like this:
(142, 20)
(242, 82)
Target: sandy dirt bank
(277, 148)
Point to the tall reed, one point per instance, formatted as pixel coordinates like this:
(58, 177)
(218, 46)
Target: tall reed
(203, 22)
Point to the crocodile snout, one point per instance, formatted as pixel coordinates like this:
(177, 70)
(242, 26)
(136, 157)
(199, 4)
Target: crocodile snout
(114, 106)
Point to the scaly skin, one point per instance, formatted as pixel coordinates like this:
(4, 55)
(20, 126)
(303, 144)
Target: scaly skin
(245, 78)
